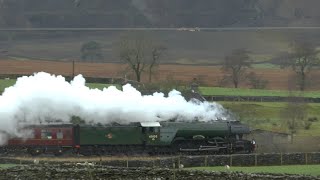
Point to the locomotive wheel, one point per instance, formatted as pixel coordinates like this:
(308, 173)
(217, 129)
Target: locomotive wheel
(58, 152)
(223, 151)
(3, 151)
(86, 152)
(35, 151)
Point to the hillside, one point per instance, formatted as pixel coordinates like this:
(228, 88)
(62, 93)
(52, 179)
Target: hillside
(183, 47)
(155, 13)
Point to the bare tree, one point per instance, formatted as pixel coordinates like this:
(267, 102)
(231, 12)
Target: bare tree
(156, 53)
(236, 64)
(139, 51)
(302, 59)
(256, 81)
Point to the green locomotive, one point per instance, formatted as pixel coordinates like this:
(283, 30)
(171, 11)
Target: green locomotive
(217, 137)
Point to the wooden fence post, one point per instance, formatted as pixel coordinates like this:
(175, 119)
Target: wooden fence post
(255, 160)
(230, 159)
(281, 159)
(174, 175)
(306, 157)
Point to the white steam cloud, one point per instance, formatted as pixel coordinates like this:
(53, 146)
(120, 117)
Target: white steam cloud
(44, 97)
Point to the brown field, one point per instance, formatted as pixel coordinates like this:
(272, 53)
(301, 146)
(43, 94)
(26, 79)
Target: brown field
(208, 75)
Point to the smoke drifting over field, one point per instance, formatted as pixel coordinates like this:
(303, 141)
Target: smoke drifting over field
(42, 97)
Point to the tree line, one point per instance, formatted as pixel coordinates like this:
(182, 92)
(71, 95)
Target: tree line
(142, 53)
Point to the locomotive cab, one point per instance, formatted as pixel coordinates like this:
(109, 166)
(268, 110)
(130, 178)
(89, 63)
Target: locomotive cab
(236, 132)
(151, 132)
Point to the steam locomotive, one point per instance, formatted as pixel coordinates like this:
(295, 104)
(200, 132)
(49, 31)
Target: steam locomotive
(218, 137)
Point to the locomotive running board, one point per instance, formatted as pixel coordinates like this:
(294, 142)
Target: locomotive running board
(209, 149)
(208, 146)
(203, 149)
(189, 149)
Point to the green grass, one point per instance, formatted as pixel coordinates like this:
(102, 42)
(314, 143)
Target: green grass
(101, 86)
(265, 66)
(267, 115)
(6, 83)
(2, 166)
(10, 82)
(313, 170)
(218, 91)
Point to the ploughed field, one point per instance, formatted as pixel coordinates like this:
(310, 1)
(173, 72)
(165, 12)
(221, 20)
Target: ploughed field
(207, 75)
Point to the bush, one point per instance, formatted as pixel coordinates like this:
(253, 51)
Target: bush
(312, 119)
(307, 125)
(91, 51)
(256, 82)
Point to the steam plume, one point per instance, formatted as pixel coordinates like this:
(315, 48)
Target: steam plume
(41, 97)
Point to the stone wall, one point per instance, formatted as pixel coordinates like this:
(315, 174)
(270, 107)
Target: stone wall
(195, 161)
(251, 159)
(73, 171)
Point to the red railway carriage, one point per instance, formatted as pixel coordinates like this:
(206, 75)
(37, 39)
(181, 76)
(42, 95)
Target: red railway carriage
(45, 138)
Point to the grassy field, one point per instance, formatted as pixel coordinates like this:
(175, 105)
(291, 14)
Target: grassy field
(267, 115)
(313, 170)
(7, 165)
(6, 83)
(209, 91)
(100, 86)
(10, 82)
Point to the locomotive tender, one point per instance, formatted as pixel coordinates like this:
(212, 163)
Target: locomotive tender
(217, 137)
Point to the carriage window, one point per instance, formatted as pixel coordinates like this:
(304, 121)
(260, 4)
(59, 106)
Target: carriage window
(46, 134)
(59, 134)
(32, 134)
(43, 134)
(67, 134)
